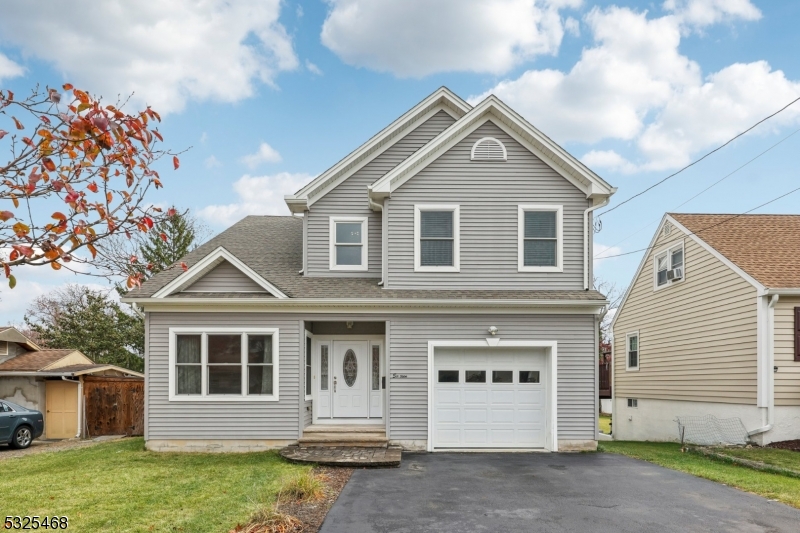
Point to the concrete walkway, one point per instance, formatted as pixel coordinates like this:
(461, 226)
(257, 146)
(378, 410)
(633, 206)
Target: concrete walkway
(592, 492)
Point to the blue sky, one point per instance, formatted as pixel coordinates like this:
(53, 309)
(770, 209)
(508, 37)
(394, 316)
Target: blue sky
(267, 94)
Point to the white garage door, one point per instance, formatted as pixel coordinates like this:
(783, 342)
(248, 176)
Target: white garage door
(489, 398)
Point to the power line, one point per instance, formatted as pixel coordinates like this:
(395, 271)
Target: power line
(718, 148)
(713, 225)
(701, 192)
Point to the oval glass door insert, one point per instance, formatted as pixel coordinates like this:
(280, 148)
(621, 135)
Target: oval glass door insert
(350, 368)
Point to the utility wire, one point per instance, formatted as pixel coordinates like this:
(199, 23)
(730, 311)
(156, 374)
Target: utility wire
(599, 256)
(718, 148)
(713, 225)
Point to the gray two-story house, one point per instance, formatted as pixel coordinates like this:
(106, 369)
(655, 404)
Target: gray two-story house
(434, 284)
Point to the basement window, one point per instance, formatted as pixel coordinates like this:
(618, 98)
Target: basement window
(633, 402)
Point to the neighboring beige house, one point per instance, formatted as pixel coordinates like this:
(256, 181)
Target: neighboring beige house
(709, 325)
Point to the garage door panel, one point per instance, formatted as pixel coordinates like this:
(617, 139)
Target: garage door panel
(487, 415)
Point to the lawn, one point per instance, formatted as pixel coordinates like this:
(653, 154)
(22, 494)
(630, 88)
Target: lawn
(668, 454)
(119, 486)
(788, 459)
(604, 423)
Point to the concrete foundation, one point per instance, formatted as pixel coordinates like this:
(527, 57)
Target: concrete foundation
(655, 420)
(577, 445)
(216, 445)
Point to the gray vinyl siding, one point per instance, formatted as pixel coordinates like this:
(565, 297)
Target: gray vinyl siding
(350, 199)
(225, 278)
(489, 193)
(223, 420)
(408, 355)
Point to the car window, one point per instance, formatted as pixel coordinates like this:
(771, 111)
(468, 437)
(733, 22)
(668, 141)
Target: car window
(3, 408)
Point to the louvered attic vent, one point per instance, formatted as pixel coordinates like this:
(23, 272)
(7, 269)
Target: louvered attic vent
(488, 149)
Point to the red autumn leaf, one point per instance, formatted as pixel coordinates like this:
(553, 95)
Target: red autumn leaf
(59, 216)
(7, 269)
(163, 237)
(48, 164)
(10, 95)
(148, 221)
(6, 215)
(184, 266)
(27, 251)
(55, 265)
(175, 162)
(72, 197)
(134, 259)
(3, 133)
(93, 250)
(18, 123)
(92, 187)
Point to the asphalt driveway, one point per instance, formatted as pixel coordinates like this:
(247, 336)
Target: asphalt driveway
(594, 492)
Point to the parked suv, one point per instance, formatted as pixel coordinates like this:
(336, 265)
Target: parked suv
(19, 425)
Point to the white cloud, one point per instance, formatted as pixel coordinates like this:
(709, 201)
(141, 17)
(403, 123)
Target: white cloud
(572, 26)
(264, 154)
(635, 85)
(700, 13)
(212, 162)
(164, 52)
(312, 68)
(9, 69)
(258, 195)
(420, 37)
(605, 252)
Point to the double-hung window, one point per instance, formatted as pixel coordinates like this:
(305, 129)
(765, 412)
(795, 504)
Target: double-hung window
(223, 364)
(669, 266)
(632, 351)
(436, 238)
(348, 243)
(540, 238)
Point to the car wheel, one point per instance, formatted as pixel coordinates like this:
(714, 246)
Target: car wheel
(22, 438)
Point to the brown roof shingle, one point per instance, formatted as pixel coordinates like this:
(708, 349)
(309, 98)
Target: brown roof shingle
(767, 247)
(33, 361)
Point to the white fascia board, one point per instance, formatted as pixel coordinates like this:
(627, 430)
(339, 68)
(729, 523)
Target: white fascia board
(713, 251)
(103, 368)
(785, 291)
(441, 100)
(542, 146)
(205, 265)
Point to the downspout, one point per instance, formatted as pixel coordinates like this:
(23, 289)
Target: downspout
(80, 402)
(588, 252)
(769, 338)
(375, 206)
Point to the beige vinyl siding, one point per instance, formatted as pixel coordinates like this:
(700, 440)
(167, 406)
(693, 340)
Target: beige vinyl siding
(697, 337)
(787, 378)
(350, 199)
(225, 278)
(489, 194)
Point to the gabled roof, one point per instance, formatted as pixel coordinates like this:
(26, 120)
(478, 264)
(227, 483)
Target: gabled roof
(33, 361)
(207, 264)
(766, 247)
(441, 99)
(12, 334)
(516, 126)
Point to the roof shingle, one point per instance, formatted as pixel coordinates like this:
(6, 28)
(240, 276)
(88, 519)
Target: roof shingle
(766, 247)
(34, 361)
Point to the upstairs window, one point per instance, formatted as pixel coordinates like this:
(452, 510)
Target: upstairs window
(348, 246)
(668, 265)
(488, 149)
(436, 238)
(632, 359)
(3, 347)
(540, 238)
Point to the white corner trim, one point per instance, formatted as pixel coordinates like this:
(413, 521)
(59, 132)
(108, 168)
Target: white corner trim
(204, 396)
(485, 139)
(364, 221)
(713, 251)
(551, 426)
(205, 265)
(638, 351)
(456, 209)
(559, 209)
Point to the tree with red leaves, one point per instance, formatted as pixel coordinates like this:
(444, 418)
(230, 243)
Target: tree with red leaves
(78, 173)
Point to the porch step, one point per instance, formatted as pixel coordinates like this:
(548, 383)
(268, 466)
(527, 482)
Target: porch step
(349, 456)
(317, 428)
(344, 436)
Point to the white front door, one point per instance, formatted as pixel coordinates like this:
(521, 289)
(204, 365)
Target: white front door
(350, 379)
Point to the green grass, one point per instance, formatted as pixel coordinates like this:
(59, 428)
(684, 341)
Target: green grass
(119, 486)
(787, 459)
(668, 454)
(604, 424)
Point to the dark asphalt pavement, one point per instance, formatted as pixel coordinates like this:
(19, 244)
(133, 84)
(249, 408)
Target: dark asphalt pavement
(533, 492)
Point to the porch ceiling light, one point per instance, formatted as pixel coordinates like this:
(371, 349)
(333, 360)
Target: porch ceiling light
(349, 324)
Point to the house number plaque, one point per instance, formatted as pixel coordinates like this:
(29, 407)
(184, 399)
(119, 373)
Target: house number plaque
(399, 376)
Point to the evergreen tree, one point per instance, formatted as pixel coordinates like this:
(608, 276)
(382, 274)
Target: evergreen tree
(80, 318)
(168, 242)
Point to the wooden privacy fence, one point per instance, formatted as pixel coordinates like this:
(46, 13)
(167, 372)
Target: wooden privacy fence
(605, 380)
(114, 406)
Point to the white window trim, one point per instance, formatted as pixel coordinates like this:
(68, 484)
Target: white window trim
(204, 396)
(559, 209)
(629, 368)
(364, 244)
(309, 357)
(668, 250)
(479, 141)
(456, 209)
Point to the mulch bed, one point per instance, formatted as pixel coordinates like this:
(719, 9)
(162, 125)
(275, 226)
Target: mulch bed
(311, 514)
(793, 445)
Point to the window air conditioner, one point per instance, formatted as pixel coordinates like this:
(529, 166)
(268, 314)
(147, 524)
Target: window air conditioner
(675, 273)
